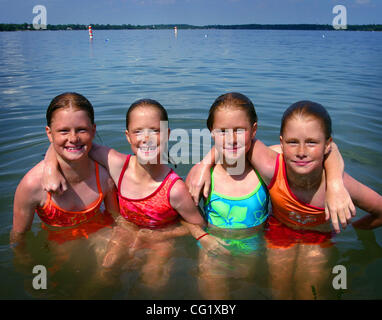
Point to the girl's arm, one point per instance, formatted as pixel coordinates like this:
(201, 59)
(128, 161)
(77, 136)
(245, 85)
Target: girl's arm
(107, 157)
(181, 201)
(276, 147)
(367, 200)
(110, 158)
(263, 159)
(192, 219)
(53, 180)
(199, 177)
(338, 203)
(27, 198)
(111, 199)
(158, 235)
(211, 244)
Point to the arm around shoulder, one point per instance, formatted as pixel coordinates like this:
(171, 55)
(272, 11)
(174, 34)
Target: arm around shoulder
(199, 178)
(111, 159)
(338, 204)
(263, 159)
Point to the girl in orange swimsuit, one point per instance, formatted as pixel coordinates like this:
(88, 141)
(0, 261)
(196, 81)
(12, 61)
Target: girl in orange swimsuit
(298, 232)
(152, 198)
(75, 213)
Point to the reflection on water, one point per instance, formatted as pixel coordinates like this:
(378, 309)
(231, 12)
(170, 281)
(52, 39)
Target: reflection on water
(342, 71)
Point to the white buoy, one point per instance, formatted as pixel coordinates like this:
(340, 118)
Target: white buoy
(90, 33)
(176, 31)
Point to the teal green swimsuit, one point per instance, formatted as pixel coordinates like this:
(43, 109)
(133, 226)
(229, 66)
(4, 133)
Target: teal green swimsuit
(238, 213)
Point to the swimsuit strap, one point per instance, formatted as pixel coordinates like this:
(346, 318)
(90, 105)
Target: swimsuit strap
(99, 188)
(174, 178)
(276, 172)
(254, 191)
(212, 186)
(47, 201)
(98, 179)
(123, 172)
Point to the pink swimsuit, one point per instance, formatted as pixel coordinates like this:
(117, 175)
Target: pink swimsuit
(153, 211)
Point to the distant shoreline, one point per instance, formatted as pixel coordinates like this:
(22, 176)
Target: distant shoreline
(325, 27)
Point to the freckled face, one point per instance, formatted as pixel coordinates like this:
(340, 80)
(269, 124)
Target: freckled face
(71, 133)
(304, 144)
(232, 132)
(144, 134)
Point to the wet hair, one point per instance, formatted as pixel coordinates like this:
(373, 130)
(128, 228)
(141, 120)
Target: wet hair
(307, 108)
(69, 100)
(149, 103)
(232, 100)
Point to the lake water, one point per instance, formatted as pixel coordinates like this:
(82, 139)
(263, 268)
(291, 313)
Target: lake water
(341, 70)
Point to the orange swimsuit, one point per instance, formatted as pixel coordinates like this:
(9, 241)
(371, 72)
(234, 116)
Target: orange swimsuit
(288, 209)
(83, 222)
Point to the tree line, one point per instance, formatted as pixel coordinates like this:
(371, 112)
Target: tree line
(29, 26)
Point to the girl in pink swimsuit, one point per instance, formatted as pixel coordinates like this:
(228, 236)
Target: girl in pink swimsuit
(153, 199)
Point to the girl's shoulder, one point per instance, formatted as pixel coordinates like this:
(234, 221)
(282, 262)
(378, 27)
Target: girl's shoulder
(178, 192)
(264, 159)
(31, 184)
(177, 187)
(33, 177)
(118, 164)
(119, 159)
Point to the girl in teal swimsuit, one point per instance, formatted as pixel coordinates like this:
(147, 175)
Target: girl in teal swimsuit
(237, 205)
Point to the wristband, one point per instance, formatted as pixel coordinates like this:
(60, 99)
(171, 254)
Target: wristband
(204, 234)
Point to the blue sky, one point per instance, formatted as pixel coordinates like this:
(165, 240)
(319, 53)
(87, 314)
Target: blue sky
(196, 12)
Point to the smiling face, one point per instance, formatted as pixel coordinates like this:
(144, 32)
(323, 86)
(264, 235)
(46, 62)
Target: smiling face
(144, 135)
(304, 144)
(71, 133)
(232, 132)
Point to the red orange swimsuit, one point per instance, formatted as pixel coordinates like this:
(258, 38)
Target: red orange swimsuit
(288, 209)
(83, 222)
(153, 211)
